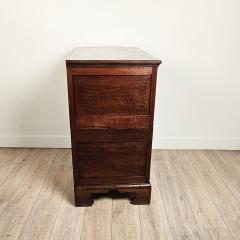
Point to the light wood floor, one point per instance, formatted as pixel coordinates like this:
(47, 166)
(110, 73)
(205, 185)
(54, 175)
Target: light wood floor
(195, 195)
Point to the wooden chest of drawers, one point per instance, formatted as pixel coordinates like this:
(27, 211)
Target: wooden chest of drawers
(111, 102)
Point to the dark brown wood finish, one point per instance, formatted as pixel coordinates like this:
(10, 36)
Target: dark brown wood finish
(99, 135)
(111, 103)
(111, 159)
(97, 95)
(109, 121)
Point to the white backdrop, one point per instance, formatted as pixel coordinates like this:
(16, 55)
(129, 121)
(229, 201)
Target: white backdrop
(198, 91)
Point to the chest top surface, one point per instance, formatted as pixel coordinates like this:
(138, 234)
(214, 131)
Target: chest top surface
(110, 55)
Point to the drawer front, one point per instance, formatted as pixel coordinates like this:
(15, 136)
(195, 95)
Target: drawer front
(107, 122)
(111, 95)
(111, 159)
(109, 135)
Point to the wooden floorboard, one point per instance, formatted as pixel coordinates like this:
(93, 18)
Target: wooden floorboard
(228, 168)
(224, 199)
(69, 222)
(98, 220)
(125, 221)
(206, 214)
(19, 164)
(181, 219)
(153, 217)
(195, 195)
(17, 210)
(41, 219)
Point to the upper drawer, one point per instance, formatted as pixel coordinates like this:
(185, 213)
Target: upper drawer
(111, 94)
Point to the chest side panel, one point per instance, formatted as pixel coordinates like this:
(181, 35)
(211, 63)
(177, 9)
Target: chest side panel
(111, 95)
(111, 159)
(110, 111)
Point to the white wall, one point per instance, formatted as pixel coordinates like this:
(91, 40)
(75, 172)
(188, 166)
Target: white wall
(198, 93)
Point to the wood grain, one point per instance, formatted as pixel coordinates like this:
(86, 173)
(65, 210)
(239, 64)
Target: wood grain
(207, 216)
(111, 159)
(182, 222)
(98, 221)
(117, 122)
(63, 160)
(18, 208)
(14, 175)
(6, 157)
(110, 71)
(228, 167)
(225, 201)
(46, 207)
(69, 221)
(111, 95)
(109, 135)
(154, 222)
(125, 221)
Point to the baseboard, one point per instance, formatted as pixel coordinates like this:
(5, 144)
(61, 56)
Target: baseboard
(38, 141)
(196, 143)
(61, 141)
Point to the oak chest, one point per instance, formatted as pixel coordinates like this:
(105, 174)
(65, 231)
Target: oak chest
(111, 95)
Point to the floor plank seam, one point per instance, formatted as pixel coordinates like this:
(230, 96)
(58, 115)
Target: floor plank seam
(184, 192)
(2, 213)
(26, 171)
(164, 206)
(111, 223)
(238, 200)
(211, 198)
(59, 205)
(83, 224)
(140, 222)
(36, 197)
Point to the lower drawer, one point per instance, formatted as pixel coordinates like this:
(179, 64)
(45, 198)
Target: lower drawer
(123, 159)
